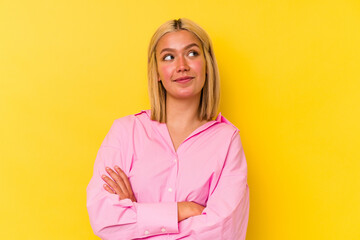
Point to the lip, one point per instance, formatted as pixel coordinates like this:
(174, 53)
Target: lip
(183, 79)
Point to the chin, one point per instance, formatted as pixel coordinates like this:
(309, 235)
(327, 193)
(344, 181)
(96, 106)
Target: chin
(186, 95)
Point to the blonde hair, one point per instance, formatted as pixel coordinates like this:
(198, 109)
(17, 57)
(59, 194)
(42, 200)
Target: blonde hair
(210, 94)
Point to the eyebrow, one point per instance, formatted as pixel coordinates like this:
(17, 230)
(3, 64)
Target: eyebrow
(187, 47)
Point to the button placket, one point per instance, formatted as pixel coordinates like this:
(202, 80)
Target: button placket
(171, 180)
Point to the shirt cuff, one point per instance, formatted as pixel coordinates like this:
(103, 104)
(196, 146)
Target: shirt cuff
(157, 218)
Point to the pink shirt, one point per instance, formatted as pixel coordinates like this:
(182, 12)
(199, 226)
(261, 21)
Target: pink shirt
(208, 168)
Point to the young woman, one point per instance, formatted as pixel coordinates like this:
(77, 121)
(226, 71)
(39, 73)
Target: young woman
(176, 171)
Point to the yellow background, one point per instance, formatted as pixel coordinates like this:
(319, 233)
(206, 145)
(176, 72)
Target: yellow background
(290, 82)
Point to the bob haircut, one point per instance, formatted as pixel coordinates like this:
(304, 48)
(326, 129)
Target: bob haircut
(210, 94)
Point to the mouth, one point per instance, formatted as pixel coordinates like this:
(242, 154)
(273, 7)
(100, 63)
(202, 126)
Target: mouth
(183, 79)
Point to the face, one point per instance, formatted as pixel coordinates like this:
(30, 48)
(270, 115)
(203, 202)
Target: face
(181, 64)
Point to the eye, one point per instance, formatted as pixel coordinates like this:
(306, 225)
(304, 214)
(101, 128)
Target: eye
(193, 53)
(168, 57)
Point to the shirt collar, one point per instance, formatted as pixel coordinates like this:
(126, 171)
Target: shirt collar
(219, 119)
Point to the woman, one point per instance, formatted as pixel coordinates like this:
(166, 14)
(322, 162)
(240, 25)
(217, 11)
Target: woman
(173, 172)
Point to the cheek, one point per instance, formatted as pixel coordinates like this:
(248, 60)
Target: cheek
(164, 72)
(199, 67)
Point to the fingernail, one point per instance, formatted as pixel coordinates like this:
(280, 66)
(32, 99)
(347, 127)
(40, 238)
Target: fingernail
(103, 176)
(107, 168)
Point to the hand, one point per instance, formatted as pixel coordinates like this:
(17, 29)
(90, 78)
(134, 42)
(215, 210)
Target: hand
(188, 209)
(118, 183)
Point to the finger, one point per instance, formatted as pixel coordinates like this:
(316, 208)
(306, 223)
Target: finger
(120, 182)
(112, 184)
(127, 183)
(125, 179)
(108, 189)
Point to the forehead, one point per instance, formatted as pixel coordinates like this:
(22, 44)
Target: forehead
(177, 40)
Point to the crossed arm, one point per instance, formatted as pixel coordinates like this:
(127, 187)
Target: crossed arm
(115, 214)
(118, 183)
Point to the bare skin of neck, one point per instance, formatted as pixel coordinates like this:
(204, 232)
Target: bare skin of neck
(182, 118)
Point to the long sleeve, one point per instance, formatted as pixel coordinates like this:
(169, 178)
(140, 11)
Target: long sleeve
(112, 218)
(227, 210)
(209, 168)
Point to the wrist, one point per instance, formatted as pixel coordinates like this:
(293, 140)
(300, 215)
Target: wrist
(188, 209)
(181, 214)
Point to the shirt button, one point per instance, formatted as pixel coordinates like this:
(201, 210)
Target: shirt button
(146, 232)
(170, 189)
(175, 160)
(163, 230)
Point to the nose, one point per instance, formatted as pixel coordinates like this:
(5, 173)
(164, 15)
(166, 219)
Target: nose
(182, 65)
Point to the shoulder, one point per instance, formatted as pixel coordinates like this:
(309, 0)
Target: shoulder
(233, 143)
(128, 121)
(226, 126)
(122, 128)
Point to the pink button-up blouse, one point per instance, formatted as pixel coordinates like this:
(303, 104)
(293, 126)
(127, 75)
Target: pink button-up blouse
(208, 168)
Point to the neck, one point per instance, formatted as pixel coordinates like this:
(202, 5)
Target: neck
(182, 112)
